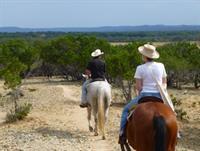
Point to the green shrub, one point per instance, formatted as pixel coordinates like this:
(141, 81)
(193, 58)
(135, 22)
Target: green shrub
(181, 114)
(20, 113)
(194, 104)
(175, 101)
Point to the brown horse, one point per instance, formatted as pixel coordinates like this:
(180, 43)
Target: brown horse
(152, 127)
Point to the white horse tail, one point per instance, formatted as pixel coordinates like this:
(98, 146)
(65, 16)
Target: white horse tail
(101, 112)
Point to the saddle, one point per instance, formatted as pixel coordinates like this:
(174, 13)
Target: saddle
(144, 100)
(150, 99)
(97, 79)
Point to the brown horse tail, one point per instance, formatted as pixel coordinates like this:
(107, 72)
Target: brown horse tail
(160, 133)
(101, 116)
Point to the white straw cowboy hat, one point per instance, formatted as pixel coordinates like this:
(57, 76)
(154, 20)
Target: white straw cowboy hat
(97, 53)
(149, 51)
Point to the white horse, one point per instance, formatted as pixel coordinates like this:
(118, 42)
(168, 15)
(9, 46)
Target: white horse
(99, 97)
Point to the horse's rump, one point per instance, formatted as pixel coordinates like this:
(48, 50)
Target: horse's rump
(98, 89)
(144, 125)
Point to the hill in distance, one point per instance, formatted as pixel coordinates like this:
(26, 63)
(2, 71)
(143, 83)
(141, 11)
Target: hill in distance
(106, 29)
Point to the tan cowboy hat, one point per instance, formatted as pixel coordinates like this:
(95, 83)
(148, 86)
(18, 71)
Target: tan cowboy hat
(97, 53)
(149, 51)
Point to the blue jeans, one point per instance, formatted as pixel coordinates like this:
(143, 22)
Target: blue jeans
(128, 106)
(84, 91)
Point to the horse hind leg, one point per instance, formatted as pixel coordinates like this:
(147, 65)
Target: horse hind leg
(106, 111)
(102, 111)
(107, 100)
(95, 128)
(103, 128)
(106, 108)
(103, 134)
(89, 118)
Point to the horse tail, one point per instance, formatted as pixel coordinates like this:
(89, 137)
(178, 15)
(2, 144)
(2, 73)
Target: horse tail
(101, 112)
(160, 133)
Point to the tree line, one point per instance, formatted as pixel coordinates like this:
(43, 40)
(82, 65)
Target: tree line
(158, 36)
(68, 56)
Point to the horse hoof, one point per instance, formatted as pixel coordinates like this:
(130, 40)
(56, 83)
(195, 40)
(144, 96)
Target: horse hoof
(90, 128)
(103, 137)
(95, 134)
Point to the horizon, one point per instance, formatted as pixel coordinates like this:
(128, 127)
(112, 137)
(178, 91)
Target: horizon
(97, 26)
(97, 13)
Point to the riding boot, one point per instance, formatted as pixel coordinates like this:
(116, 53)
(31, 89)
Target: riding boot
(122, 140)
(178, 135)
(83, 105)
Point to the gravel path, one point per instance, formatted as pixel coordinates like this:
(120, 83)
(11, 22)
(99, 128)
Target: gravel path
(57, 123)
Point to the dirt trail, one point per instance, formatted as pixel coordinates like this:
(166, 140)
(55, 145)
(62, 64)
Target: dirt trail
(79, 118)
(57, 123)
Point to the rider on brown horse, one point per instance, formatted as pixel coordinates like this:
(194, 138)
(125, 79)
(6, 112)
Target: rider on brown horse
(145, 84)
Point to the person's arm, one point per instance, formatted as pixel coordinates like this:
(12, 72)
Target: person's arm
(88, 70)
(138, 86)
(164, 78)
(138, 81)
(164, 82)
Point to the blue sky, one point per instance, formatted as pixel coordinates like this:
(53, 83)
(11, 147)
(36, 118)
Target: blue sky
(95, 13)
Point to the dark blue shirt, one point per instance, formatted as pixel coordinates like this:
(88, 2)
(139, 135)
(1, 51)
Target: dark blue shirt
(97, 68)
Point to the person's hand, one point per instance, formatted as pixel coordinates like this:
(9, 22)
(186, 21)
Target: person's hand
(164, 85)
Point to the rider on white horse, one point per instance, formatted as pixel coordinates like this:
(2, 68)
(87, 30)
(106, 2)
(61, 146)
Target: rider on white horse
(95, 71)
